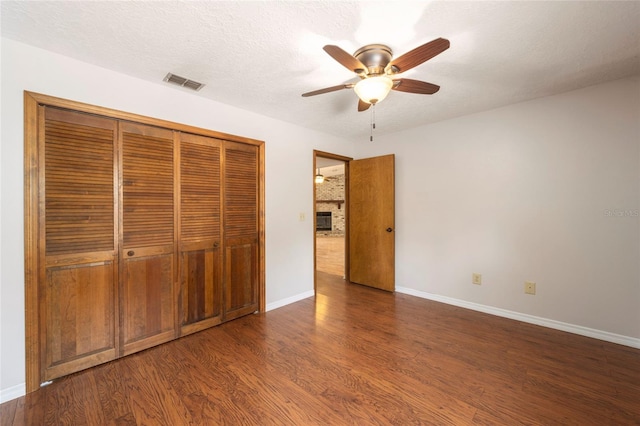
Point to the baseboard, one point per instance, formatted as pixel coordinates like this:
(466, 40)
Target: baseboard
(289, 300)
(13, 392)
(531, 319)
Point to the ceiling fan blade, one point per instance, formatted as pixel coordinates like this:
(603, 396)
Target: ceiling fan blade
(417, 56)
(415, 86)
(362, 105)
(327, 90)
(346, 60)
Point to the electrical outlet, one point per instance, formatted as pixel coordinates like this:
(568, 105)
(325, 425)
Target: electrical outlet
(476, 278)
(529, 287)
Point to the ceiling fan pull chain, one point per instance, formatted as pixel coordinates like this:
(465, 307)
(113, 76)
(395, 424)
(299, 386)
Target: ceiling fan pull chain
(373, 112)
(373, 121)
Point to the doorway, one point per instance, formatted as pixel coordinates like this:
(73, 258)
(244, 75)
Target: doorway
(355, 223)
(330, 214)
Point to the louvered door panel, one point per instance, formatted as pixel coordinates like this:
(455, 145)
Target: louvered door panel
(199, 189)
(240, 229)
(200, 233)
(241, 190)
(147, 182)
(79, 199)
(78, 275)
(148, 297)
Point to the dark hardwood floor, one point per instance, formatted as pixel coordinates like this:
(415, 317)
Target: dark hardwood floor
(353, 355)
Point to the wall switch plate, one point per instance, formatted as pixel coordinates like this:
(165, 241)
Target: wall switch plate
(301, 217)
(529, 287)
(476, 278)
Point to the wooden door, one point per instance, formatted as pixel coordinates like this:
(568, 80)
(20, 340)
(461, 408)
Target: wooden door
(372, 222)
(78, 268)
(148, 299)
(241, 205)
(200, 233)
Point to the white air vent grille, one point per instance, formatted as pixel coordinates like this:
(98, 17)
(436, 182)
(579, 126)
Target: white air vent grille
(184, 82)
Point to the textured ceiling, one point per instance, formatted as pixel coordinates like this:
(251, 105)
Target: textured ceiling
(261, 56)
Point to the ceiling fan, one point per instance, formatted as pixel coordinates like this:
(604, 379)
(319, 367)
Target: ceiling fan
(320, 178)
(374, 65)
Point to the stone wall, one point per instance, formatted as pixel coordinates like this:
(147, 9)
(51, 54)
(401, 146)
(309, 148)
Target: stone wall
(332, 189)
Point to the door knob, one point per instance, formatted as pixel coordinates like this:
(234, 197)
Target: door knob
(130, 253)
(389, 229)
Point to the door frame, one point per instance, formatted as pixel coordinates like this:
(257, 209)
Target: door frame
(346, 161)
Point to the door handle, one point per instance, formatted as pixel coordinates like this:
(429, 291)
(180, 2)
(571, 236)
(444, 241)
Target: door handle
(389, 230)
(131, 253)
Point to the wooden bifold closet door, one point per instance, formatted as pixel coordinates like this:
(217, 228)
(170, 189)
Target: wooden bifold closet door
(200, 232)
(78, 276)
(138, 231)
(148, 237)
(240, 230)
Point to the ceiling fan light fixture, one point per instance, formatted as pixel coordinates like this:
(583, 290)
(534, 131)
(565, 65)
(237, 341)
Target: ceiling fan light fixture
(319, 177)
(373, 89)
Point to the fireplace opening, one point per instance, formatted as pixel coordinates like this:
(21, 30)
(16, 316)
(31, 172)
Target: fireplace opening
(323, 221)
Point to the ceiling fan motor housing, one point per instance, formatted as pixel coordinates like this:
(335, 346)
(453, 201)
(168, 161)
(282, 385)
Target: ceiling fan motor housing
(375, 57)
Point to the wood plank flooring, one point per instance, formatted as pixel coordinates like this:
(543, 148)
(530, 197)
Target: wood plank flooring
(353, 355)
(330, 255)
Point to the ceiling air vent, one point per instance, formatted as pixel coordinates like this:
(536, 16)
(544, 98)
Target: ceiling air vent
(184, 82)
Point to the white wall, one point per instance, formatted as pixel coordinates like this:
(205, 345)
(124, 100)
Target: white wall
(289, 157)
(534, 191)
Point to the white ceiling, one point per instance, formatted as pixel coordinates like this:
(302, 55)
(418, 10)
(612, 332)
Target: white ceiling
(329, 167)
(262, 55)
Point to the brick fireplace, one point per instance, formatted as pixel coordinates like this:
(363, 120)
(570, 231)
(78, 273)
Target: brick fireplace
(330, 195)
